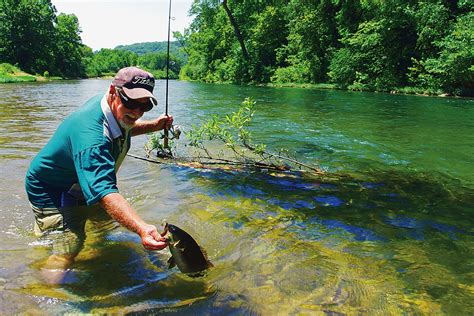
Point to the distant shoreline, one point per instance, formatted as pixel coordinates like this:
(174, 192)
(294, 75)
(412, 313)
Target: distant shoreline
(12, 74)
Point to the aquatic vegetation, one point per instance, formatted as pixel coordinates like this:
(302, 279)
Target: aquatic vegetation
(347, 258)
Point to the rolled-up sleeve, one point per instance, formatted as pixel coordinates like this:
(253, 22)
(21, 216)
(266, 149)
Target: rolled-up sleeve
(95, 169)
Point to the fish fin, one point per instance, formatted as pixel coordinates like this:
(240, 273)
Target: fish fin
(171, 262)
(209, 263)
(177, 246)
(204, 252)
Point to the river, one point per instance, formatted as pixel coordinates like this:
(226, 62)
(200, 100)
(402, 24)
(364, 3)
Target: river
(394, 235)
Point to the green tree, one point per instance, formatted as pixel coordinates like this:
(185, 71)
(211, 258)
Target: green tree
(378, 54)
(109, 61)
(27, 33)
(369, 44)
(209, 43)
(268, 33)
(157, 63)
(452, 70)
(68, 53)
(432, 20)
(311, 41)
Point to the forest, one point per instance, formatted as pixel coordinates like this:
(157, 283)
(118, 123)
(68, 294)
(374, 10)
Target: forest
(354, 44)
(36, 39)
(371, 45)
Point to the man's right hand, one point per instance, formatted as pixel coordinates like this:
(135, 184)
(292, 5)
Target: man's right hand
(151, 239)
(120, 210)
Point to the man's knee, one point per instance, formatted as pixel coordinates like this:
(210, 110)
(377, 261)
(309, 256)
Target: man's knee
(62, 227)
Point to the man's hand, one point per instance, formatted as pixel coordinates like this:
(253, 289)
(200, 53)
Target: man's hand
(151, 239)
(150, 126)
(120, 210)
(165, 121)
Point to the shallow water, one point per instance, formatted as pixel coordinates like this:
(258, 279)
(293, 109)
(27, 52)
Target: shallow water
(389, 232)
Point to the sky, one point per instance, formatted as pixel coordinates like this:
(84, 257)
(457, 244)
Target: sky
(109, 23)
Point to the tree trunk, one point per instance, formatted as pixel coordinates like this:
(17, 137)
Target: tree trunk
(236, 30)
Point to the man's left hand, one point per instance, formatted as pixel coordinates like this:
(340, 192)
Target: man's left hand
(165, 121)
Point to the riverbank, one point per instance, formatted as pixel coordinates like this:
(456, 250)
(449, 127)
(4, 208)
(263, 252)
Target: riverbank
(13, 74)
(331, 86)
(395, 90)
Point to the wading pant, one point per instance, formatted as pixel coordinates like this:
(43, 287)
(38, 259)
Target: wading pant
(64, 227)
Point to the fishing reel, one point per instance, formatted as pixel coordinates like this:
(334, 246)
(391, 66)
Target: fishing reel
(175, 131)
(164, 151)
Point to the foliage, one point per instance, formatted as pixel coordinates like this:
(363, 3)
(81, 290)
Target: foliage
(363, 45)
(10, 73)
(231, 130)
(312, 34)
(27, 33)
(156, 63)
(228, 140)
(453, 68)
(377, 53)
(8, 69)
(68, 52)
(360, 45)
(109, 61)
(155, 47)
(267, 35)
(33, 37)
(156, 142)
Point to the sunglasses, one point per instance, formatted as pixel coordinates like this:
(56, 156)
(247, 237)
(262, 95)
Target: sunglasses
(132, 104)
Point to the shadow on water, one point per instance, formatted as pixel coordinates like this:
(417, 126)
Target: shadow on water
(403, 200)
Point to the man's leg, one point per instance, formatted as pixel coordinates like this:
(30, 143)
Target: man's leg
(64, 228)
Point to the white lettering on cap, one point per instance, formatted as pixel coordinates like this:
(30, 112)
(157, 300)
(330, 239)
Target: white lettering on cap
(143, 80)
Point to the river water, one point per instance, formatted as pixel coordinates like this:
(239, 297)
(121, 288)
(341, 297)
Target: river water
(393, 235)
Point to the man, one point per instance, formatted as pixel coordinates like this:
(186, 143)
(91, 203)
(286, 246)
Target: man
(73, 178)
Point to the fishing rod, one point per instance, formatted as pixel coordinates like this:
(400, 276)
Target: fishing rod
(165, 140)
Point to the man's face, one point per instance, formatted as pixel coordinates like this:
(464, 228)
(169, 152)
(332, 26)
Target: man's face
(125, 116)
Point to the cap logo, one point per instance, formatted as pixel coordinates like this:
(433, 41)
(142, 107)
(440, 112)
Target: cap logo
(143, 80)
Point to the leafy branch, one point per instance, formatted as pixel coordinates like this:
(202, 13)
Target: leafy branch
(238, 148)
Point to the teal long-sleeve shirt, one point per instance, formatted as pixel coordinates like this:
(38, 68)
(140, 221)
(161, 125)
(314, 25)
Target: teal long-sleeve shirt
(79, 163)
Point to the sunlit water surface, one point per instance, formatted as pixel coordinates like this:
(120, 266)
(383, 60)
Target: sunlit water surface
(389, 232)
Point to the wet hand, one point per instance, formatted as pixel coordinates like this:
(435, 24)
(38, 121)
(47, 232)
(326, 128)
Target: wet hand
(151, 239)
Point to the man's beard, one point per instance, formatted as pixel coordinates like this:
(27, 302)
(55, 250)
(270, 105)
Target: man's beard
(124, 125)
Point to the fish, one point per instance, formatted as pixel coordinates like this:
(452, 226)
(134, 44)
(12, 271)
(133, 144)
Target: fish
(186, 254)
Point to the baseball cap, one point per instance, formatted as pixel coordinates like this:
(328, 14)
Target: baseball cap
(136, 83)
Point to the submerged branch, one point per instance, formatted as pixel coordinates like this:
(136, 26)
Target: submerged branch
(317, 170)
(192, 161)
